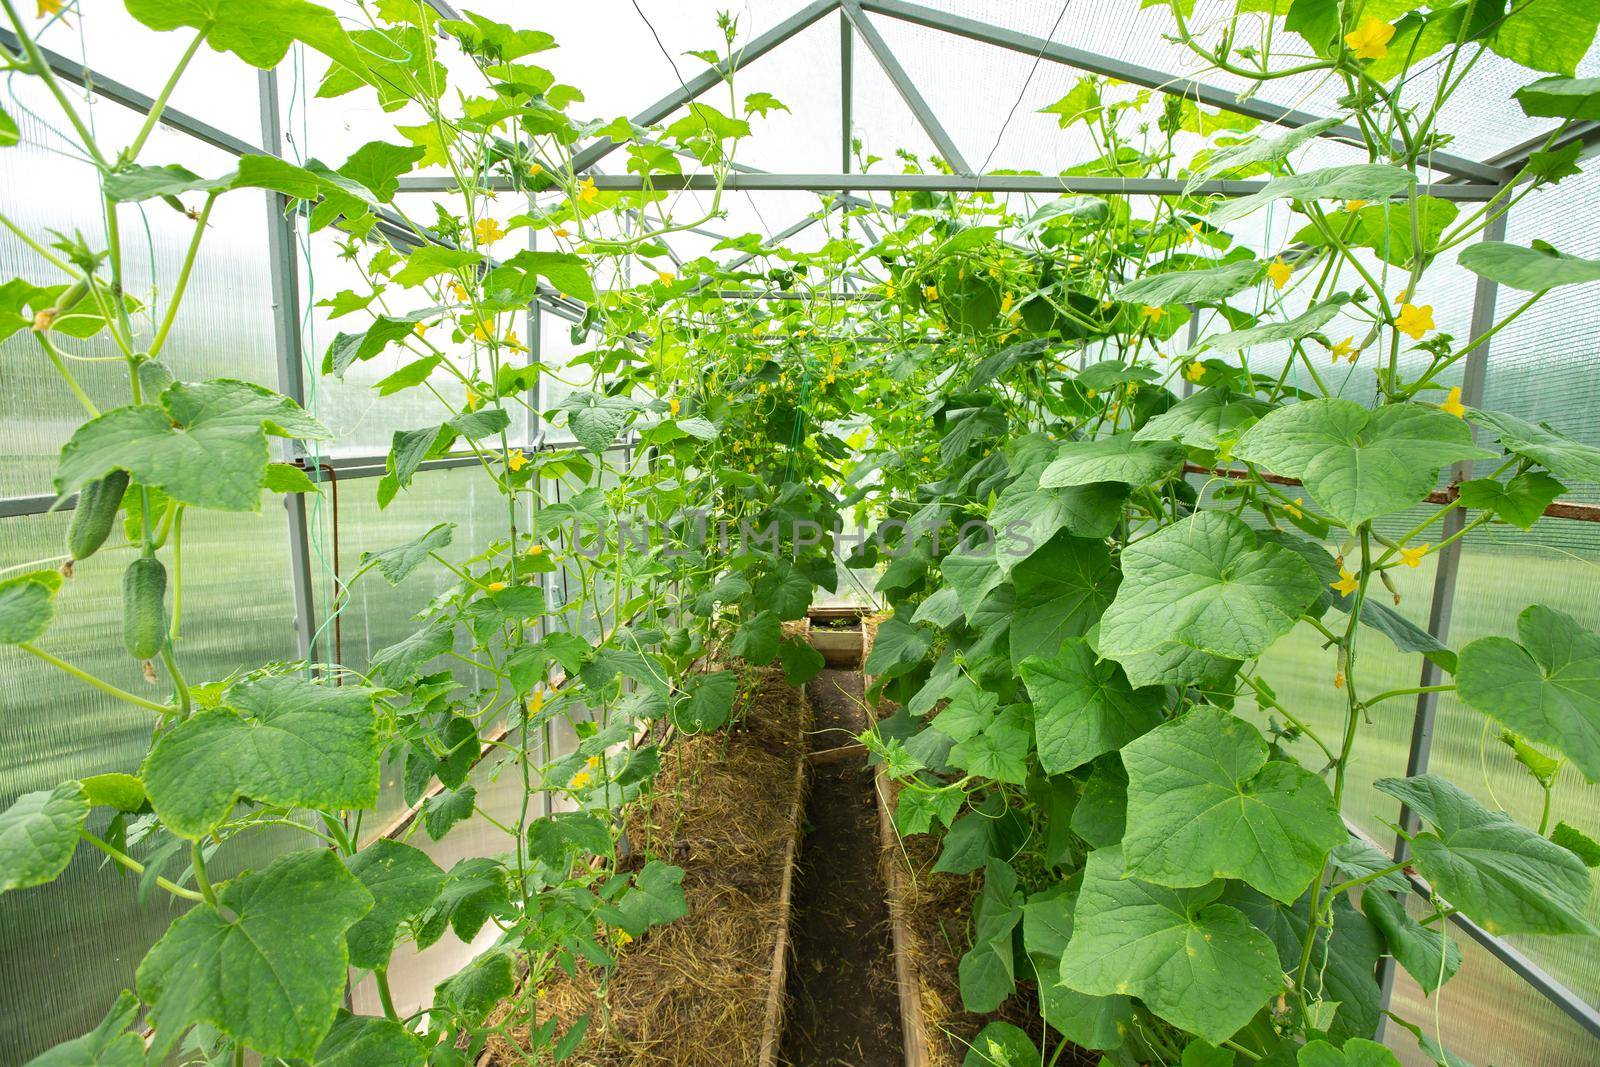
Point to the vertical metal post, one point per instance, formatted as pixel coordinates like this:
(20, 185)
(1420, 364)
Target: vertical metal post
(847, 42)
(283, 266)
(1473, 376)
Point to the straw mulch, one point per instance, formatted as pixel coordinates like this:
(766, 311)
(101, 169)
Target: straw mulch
(724, 808)
(936, 912)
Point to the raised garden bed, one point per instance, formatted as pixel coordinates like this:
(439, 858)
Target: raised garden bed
(704, 991)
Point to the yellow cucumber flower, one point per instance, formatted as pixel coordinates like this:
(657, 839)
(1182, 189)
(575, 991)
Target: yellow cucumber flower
(1412, 557)
(487, 231)
(1347, 583)
(515, 460)
(1452, 403)
(1279, 272)
(1371, 39)
(1415, 322)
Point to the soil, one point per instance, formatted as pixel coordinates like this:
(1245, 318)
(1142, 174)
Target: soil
(844, 1010)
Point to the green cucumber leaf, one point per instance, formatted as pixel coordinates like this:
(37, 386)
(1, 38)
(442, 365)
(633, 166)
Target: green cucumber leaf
(1545, 686)
(266, 966)
(203, 444)
(1198, 964)
(1204, 802)
(367, 1041)
(1206, 583)
(27, 605)
(1413, 946)
(38, 835)
(111, 1044)
(1359, 464)
(1532, 270)
(1084, 706)
(1118, 458)
(1501, 875)
(1357, 181)
(282, 740)
(403, 881)
(1566, 458)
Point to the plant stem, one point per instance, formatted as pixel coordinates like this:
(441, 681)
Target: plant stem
(138, 868)
(380, 978)
(201, 879)
(183, 277)
(89, 679)
(160, 105)
(49, 347)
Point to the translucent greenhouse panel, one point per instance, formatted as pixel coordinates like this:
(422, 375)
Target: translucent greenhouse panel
(216, 88)
(1486, 1014)
(803, 75)
(1558, 565)
(413, 974)
(879, 117)
(1481, 121)
(78, 940)
(1303, 675)
(607, 35)
(378, 614)
(226, 331)
(361, 418)
(1542, 366)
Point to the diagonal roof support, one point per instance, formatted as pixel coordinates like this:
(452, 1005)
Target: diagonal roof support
(709, 78)
(1210, 95)
(903, 85)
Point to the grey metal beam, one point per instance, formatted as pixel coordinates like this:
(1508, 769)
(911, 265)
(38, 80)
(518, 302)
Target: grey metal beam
(948, 183)
(1445, 574)
(1586, 133)
(904, 86)
(129, 97)
(283, 269)
(1096, 63)
(707, 79)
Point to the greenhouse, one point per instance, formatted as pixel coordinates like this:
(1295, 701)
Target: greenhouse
(800, 533)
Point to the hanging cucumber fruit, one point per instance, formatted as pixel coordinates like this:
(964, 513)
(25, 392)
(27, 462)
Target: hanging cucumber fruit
(144, 607)
(96, 513)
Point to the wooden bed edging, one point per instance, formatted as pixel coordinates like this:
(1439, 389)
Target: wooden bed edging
(911, 1029)
(772, 1026)
(914, 1035)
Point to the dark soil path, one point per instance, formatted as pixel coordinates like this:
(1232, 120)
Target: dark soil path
(844, 1008)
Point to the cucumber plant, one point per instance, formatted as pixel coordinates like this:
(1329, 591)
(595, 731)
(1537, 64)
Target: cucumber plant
(262, 962)
(1082, 648)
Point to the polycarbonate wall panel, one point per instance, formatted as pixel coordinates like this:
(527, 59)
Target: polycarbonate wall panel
(215, 88)
(1482, 119)
(68, 947)
(224, 328)
(1486, 1015)
(1545, 366)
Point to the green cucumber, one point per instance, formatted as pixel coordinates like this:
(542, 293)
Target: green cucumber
(96, 513)
(144, 607)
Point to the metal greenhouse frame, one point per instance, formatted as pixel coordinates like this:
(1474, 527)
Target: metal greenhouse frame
(1460, 178)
